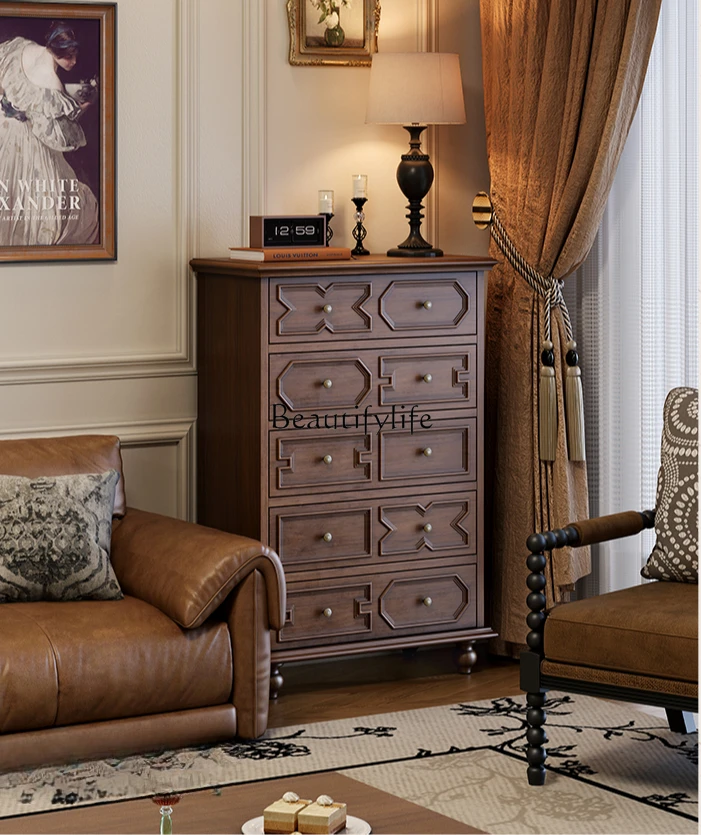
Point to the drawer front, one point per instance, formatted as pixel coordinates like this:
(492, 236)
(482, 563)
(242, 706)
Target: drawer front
(328, 611)
(438, 452)
(380, 606)
(322, 460)
(427, 305)
(320, 385)
(308, 310)
(436, 378)
(374, 533)
(436, 599)
(337, 309)
(303, 537)
(347, 382)
(305, 460)
(411, 528)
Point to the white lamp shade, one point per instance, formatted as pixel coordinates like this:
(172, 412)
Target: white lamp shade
(423, 88)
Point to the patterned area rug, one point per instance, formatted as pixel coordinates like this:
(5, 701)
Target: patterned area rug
(610, 769)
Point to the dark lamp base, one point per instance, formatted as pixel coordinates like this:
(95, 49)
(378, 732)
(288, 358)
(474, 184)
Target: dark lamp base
(398, 252)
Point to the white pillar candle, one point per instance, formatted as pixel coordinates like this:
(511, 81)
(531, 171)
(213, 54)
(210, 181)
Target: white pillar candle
(326, 202)
(360, 185)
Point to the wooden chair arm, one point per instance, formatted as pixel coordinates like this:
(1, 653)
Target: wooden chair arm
(592, 531)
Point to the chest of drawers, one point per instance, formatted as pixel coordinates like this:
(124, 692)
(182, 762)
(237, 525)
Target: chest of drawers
(340, 421)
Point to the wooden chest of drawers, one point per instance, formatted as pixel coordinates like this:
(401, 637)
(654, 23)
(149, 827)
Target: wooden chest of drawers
(340, 421)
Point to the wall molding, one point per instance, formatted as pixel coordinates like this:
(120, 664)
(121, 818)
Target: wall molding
(148, 433)
(254, 113)
(180, 361)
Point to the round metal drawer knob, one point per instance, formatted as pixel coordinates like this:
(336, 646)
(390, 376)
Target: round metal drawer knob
(427, 601)
(428, 527)
(327, 612)
(327, 384)
(428, 452)
(327, 459)
(328, 308)
(328, 537)
(428, 305)
(428, 378)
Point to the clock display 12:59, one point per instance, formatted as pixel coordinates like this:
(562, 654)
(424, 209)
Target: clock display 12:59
(282, 232)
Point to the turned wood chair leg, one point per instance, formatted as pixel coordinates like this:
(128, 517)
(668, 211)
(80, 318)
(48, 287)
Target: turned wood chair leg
(680, 721)
(536, 736)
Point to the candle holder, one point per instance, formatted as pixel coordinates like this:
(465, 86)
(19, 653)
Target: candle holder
(329, 230)
(360, 231)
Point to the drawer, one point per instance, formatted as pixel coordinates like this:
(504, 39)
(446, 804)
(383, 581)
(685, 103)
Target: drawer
(444, 452)
(306, 536)
(329, 611)
(337, 309)
(435, 378)
(302, 461)
(342, 382)
(427, 304)
(313, 384)
(322, 460)
(380, 606)
(414, 527)
(433, 599)
(374, 533)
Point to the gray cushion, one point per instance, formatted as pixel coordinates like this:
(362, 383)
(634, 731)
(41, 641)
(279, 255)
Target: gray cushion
(675, 555)
(55, 535)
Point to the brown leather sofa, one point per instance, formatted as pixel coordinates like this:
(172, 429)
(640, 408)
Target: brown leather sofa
(183, 659)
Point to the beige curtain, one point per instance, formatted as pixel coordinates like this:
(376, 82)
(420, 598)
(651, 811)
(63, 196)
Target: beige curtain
(562, 80)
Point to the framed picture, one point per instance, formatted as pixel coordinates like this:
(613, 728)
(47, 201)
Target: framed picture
(57, 131)
(340, 33)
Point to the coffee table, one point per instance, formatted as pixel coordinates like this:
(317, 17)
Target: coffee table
(206, 812)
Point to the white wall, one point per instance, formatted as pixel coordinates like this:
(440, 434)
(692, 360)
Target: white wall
(317, 136)
(214, 124)
(462, 150)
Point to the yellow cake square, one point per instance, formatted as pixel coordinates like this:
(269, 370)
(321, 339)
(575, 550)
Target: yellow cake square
(324, 817)
(280, 818)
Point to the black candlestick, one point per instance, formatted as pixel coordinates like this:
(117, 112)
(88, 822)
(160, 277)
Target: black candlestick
(360, 231)
(329, 230)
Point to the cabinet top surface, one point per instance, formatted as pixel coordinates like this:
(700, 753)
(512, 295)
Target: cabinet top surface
(370, 263)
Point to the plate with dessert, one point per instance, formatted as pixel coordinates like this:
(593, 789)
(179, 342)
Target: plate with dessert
(292, 815)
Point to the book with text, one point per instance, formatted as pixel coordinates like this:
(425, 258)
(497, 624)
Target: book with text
(301, 253)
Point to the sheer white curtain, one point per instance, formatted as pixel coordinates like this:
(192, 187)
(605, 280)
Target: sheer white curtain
(635, 300)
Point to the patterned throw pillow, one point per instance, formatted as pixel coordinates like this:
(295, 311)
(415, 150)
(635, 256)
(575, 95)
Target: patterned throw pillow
(55, 535)
(675, 555)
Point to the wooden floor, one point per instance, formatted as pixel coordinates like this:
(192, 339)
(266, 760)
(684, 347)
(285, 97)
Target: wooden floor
(338, 689)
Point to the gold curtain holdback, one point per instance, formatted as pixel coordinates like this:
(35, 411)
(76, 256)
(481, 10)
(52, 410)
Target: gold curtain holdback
(549, 289)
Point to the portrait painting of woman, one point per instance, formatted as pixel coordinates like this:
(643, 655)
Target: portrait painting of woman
(51, 148)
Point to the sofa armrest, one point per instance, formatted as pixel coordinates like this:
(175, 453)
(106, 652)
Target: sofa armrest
(188, 570)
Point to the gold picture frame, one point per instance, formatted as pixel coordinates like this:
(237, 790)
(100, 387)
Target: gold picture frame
(333, 32)
(65, 209)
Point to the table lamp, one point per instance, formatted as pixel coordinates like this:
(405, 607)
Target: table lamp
(415, 89)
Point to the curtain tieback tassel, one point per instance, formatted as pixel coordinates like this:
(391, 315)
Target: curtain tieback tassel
(550, 290)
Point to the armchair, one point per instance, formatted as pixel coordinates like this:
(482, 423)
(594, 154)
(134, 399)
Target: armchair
(638, 644)
(183, 659)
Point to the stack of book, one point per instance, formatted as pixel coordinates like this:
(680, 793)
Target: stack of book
(295, 253)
